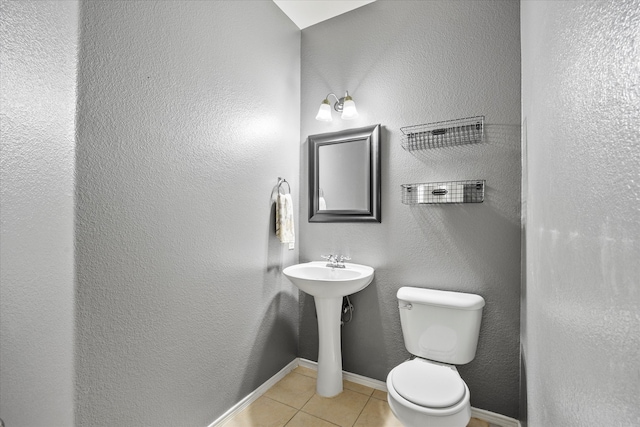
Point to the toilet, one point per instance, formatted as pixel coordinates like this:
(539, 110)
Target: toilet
(441, 329)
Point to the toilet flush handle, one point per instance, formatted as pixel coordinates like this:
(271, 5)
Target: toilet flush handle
(405, 305)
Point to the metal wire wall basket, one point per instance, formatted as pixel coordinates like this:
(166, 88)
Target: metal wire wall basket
(471, 191)
(443, 134)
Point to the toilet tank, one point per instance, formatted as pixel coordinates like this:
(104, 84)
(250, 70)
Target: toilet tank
(440, 325)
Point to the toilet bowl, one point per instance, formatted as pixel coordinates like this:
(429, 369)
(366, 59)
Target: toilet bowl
(422, 393)
(441, 329)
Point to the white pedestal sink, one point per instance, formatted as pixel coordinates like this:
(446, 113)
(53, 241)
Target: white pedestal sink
(328, 286)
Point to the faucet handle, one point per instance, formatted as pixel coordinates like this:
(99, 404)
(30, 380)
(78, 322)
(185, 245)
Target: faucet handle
(344, 258)
(328, 257)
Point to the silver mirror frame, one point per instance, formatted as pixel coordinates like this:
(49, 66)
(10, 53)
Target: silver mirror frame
(372, 214)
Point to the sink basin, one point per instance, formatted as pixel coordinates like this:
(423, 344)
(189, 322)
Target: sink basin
(328, 286)
(316, 279)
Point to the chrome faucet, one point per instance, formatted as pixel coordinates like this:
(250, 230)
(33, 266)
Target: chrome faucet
(335, 261)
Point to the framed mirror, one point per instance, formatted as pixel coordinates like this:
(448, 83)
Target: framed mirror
(344, 176)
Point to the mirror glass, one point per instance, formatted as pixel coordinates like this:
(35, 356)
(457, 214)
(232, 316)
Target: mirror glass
(344, 176)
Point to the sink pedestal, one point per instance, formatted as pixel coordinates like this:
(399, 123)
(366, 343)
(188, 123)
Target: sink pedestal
(328, 285)
(329, 382)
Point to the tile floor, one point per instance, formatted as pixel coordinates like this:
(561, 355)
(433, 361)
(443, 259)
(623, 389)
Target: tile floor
(293, 402)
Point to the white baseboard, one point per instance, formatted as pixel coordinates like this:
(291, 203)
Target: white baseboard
(254, 395)
(493, 418)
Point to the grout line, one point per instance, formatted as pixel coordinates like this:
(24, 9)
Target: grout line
(277, 401)
(320, 418)
(302, 373)
(305, 403)
(289, 420)
(361, 411)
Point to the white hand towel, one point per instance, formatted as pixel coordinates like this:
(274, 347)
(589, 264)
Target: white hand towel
(285, 229)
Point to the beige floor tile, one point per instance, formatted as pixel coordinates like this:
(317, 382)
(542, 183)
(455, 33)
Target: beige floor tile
(308, 372)
(363, 389)
(305, 420)
(477, 422)
(377, 413)
(293, 390)
(264, 412)
(379, 394)
(342, 409)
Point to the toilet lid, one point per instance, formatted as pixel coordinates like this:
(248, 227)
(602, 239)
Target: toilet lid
(428, 384)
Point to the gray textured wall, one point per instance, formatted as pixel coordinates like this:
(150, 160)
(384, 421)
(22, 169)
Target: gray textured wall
(581, 328)
(37, 110)
(406, 63)
(188, 113)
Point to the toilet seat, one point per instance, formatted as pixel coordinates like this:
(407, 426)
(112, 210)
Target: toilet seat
(428, 384)
(414, 415)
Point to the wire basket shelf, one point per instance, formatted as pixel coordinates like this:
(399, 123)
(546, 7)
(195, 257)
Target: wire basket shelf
(443, 134)
(471, 191)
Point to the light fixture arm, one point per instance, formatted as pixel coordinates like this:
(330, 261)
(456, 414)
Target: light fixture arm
(339, 105)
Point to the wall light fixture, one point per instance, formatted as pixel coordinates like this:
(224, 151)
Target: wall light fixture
(345, 105)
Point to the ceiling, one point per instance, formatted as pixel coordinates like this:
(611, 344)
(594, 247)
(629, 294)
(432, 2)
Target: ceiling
(305, 13)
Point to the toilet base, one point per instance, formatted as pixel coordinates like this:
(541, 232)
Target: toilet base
(409, 418)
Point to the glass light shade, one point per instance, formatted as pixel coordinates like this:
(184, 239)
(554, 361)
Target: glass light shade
(324, 113)
(349, 109)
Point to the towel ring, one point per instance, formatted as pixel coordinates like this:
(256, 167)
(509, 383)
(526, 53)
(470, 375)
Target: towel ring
(283, 181)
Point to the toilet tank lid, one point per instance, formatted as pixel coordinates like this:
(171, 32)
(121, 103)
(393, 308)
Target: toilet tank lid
(457, 300)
